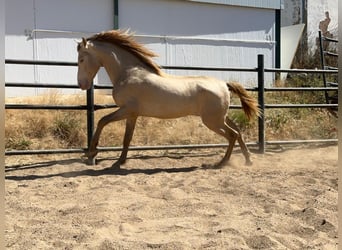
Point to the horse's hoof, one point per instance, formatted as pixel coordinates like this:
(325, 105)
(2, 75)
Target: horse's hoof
(116, 165)
(213, 166)
(84, 157)
(112, 168)
(249, 163)
(91, 161)
(206, 166)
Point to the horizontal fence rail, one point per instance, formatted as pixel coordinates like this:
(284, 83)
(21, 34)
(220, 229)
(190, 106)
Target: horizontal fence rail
(91, 107)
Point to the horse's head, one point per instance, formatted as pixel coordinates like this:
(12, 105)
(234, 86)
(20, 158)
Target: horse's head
(88, 64)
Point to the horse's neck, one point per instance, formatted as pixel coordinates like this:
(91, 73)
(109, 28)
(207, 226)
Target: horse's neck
(117, 62)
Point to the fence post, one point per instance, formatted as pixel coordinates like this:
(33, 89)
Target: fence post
(261, 101)
(90, 120)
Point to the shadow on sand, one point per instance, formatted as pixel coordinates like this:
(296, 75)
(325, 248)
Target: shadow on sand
(101, 172)
(12, 172)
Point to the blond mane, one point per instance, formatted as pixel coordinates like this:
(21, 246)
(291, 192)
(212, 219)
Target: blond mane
(125, 40)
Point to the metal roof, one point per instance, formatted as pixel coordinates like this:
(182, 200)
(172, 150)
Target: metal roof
(267, 4)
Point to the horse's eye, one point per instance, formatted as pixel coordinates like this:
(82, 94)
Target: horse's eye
(81, 60)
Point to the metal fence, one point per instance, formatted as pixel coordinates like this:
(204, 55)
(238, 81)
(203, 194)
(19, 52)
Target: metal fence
(91, 107)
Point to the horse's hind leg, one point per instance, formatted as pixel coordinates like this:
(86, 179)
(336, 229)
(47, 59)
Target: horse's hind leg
(223, 129)
(242, 144)
(231, 135)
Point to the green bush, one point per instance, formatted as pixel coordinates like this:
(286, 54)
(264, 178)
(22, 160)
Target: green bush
(19, 143)
(68, 127)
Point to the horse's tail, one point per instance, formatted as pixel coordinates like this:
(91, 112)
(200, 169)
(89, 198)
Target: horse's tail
(249, 104)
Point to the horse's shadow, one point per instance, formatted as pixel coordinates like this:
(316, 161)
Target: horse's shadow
(90, 171)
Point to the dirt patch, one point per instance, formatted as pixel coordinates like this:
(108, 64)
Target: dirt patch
(158, 200)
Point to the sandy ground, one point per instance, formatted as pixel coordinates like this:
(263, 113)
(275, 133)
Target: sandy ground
(158, 200)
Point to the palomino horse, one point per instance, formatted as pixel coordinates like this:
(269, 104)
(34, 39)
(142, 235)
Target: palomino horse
(140, 88)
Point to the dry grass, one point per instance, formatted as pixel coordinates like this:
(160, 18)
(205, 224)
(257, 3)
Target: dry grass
(37, 129)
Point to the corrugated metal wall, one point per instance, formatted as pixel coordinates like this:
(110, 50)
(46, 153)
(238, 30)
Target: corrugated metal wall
(183, 33)
(186, 33)
(267, 4)
(40, 30)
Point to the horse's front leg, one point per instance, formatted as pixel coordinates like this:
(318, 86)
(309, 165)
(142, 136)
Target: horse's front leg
(130, 125)
(117, 115)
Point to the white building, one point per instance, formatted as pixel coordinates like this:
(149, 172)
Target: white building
(216, 33)
(311, 13)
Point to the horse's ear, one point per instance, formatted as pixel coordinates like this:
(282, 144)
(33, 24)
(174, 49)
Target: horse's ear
(84, 42)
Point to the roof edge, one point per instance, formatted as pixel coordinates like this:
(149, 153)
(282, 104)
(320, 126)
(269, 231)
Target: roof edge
(265, 4)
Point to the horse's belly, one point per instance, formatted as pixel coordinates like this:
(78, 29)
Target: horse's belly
(165, 109)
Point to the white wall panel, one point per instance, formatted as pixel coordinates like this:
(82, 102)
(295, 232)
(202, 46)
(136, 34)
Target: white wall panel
(315, 13)
(42, 30)
(192, 34)
(74, 15)
(19, 17)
